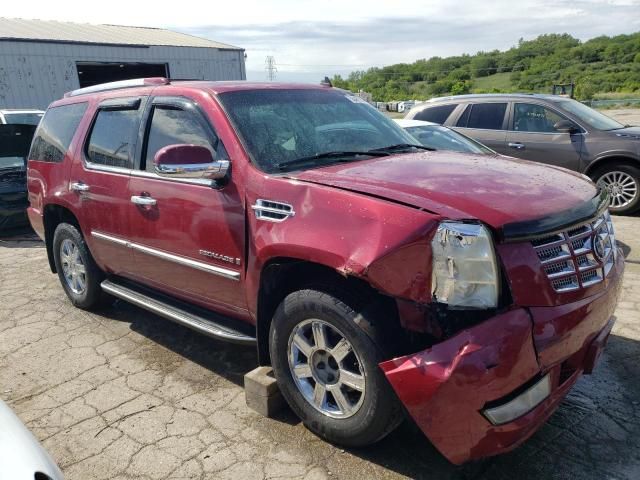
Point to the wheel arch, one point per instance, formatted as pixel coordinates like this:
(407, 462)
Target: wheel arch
(598, 163)
(55, 214)
(281, 276)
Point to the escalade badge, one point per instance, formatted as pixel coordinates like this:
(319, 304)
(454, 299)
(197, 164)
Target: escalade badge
(218, 256)
(598, 247)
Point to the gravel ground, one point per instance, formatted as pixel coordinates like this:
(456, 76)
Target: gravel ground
(126, 394)
(626, 116)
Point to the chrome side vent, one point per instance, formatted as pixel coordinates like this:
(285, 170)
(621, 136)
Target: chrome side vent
(272, 211)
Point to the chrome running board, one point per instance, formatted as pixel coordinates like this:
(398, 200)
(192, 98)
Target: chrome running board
(194, 321)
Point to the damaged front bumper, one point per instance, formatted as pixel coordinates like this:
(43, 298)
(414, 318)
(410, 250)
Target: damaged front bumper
(451, 389)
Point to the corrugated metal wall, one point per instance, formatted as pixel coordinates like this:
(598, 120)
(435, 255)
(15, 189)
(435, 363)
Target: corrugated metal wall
(33, 74)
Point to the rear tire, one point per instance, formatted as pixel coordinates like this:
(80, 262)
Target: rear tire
(623, 182)
(342, 397)
(78, 273)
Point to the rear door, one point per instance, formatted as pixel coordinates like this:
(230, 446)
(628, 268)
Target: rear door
(532, 136)
(485, 122)
(101, 181)
(190, 242)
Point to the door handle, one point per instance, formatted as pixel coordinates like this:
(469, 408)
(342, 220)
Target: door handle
(78, 187)
(516, 145)
(144, 200)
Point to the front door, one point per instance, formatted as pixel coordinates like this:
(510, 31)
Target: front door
(101, 182)
(188, 235)
(532, 136)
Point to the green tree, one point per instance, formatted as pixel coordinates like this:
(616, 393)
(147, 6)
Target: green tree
(460, 88)
(602, 64)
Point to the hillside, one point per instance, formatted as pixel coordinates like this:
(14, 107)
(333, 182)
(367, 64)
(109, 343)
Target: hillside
(600, 65)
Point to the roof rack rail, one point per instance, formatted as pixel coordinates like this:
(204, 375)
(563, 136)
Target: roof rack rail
(134, 82)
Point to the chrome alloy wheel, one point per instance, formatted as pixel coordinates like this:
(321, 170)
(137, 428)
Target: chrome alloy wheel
(72, 267)
(622, 188)
(326, 369)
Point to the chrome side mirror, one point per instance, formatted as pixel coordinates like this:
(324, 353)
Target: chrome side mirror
(189, 161)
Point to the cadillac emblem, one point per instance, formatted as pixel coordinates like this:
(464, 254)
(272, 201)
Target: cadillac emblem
(598, 247)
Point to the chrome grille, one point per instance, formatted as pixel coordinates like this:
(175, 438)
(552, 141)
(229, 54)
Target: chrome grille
(579, 257)
(565, 284)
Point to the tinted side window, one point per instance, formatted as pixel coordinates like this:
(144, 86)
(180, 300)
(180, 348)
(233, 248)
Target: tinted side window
(484, 115)
(435, 114)
(113, 137)
(174, 126)
(464, 118)
(55, 132)
(534, 118)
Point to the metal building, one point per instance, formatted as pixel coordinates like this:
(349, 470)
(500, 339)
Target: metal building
(41, 60)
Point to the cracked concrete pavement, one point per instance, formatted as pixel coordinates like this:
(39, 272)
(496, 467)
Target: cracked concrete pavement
(125, 394)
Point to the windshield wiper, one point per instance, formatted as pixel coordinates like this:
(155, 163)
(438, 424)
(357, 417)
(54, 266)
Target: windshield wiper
(401, 146)
(337, 155)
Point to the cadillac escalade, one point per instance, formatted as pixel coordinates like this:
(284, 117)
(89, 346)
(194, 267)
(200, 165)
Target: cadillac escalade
(378, 277)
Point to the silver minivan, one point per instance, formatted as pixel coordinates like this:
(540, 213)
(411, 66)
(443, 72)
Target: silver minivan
(549, 129)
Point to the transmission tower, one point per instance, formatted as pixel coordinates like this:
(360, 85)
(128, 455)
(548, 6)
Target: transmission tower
(270, 67)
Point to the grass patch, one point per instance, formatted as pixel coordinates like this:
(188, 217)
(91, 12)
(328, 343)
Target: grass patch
(497, 81)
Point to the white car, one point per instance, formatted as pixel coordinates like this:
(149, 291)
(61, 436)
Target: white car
(21, 456)
(438, 137)
(27, 116)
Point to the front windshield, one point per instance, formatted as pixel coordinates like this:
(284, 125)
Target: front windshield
(443, 138)
(281, 126)
(589, 116)
(23, 118)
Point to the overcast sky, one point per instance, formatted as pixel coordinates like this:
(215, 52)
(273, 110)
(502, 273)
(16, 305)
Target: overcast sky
(313, 38)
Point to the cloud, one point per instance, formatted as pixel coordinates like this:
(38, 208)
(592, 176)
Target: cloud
(311, 48)
(300, 33)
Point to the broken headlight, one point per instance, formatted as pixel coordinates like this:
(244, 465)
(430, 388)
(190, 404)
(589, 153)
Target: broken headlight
(465, 272)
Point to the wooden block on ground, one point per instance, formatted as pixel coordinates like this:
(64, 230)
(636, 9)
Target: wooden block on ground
(262, 393)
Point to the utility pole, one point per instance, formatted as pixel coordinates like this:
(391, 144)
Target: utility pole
(270, 67)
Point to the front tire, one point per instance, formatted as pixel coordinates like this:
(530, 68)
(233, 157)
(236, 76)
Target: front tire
(327, 368)
(78, 273)
(623, 182)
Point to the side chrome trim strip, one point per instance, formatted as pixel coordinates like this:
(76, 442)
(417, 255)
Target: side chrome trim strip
(89, 165)
(190, 181)
(170, 257)
(111, 239)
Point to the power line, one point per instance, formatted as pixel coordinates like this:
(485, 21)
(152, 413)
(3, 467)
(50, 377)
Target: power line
(270, 67)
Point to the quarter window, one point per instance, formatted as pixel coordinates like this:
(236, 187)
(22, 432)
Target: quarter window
(174, 126)
(436, 114)
(56, 130)
(488, 116)
(529, 117)
(113, 138)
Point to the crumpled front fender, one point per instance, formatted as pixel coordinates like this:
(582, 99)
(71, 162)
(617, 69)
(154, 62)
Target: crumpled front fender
(445, 387)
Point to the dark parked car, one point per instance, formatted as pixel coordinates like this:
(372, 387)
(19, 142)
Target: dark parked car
(375, 276)
(14, 147)
(549, 129)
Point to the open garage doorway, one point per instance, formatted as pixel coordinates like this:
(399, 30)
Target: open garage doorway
(93, 73)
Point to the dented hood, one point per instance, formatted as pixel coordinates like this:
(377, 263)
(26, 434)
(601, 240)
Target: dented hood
(495, 189)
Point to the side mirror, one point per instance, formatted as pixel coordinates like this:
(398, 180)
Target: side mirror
(566, 126)
(189, 161)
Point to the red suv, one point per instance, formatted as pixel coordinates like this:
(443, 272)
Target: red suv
(376, 276)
